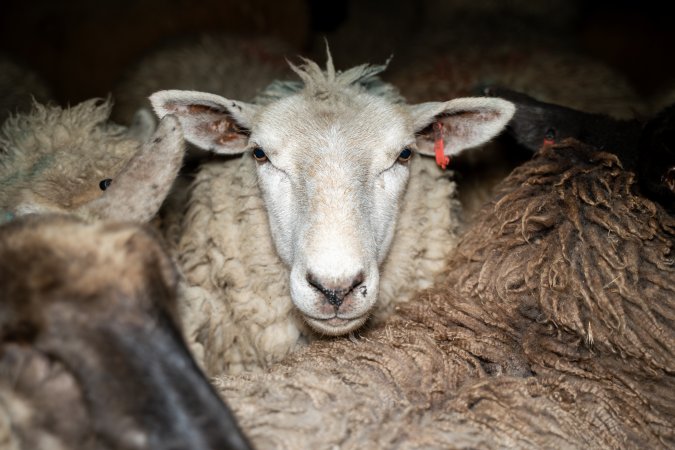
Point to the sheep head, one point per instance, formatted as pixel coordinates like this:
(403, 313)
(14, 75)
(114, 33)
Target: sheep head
(333, 156)
(646, 148)
(74, 161)
(86, 323)
(536, 122)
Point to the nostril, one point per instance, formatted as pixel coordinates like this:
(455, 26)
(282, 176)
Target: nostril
(335, 292)
(358, 279)
(314, 282)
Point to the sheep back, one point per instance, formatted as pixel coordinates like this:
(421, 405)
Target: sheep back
(573, 246)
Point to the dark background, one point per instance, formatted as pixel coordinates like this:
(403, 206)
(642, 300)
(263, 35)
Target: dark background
(81, 47)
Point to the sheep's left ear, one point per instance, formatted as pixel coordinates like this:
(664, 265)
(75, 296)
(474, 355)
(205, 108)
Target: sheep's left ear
(467, 122)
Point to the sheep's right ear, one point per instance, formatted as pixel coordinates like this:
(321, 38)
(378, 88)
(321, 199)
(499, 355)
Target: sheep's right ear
(209, 121)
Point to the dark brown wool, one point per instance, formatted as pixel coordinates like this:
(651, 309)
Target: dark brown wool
(567, 244)
(553, 329)
(90, 357)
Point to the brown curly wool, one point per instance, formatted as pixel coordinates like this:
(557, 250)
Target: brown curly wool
(569, 257)
(571, 246)
(553, 329)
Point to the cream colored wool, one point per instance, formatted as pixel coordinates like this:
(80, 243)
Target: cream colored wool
(54, 160)
(235, 304)
(45, 155)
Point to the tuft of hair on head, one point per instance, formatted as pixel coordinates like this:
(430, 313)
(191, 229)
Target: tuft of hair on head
(22, 135)
(321, 83)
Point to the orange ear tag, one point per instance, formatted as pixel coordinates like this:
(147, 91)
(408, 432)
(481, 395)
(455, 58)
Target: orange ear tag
(439, 146)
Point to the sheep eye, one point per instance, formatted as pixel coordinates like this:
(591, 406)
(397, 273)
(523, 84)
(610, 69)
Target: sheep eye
(259, 154)
(405, 155)
(105, 183)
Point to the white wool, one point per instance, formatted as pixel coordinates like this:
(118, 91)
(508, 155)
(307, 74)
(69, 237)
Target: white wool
(235, 304)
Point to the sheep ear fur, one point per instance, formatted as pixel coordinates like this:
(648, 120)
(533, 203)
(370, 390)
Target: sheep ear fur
(209, 121)
(467, 122)
(137, 192)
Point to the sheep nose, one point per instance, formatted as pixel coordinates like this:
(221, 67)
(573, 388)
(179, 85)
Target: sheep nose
(335, 292)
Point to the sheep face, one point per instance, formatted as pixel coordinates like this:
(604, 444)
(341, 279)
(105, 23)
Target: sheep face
(332, 193)
(332, 163)
(73, 161)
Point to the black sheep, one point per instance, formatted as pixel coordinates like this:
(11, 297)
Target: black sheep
(647, 148)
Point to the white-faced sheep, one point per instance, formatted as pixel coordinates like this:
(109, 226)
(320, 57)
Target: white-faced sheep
(90, 356)
(18, 87)
(553, 328)
(324, 175)
(74, 161)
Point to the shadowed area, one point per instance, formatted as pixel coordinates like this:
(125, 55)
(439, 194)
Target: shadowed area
(90, 355)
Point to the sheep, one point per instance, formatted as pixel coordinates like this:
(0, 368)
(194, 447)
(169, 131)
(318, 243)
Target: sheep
(18, 85)
(90, 356)
(297, 237)
(536, 123)
(74, 161)
(227, 65)
(551, 328)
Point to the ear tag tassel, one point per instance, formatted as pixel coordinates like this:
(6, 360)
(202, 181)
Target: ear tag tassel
(439, 146)
(549, 137)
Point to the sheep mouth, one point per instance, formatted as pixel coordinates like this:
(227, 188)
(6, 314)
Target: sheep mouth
(336, 326)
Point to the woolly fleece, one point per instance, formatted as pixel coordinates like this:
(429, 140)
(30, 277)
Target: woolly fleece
(553, 328)
(235, 303)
